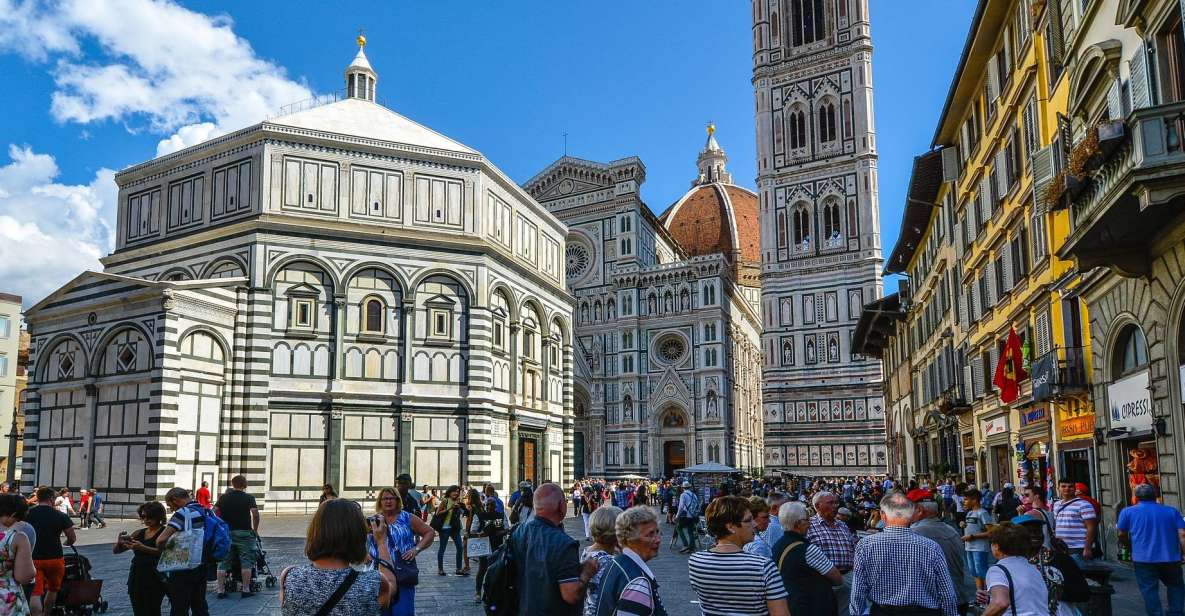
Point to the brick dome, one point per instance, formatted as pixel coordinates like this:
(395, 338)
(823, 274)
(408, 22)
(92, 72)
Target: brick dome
(715, 215)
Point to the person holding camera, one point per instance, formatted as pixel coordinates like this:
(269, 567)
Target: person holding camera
(145, 587)
(402, 529)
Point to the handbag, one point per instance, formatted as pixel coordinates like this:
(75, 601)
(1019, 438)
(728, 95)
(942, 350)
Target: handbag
(437, 522)
(479, 546)
(338, 594)
(407, 572)
(183, 552)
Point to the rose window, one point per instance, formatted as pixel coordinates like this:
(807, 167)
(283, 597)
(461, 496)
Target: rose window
(672, 349)
(578, 260)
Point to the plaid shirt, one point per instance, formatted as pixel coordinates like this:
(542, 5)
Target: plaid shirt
(901, 568)
(836, 540)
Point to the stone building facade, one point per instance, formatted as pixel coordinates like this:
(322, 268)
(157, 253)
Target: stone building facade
(667, 341)
(335, 295)
(820, 239)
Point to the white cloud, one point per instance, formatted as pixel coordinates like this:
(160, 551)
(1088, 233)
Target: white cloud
(50, 232)
(161, 67)
(155, 67)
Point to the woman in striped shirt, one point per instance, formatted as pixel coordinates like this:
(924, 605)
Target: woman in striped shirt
(728, 580)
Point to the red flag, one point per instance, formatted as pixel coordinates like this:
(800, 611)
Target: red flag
(1010, 370)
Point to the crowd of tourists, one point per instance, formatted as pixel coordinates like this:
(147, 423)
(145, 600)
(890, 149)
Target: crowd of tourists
(775, 546)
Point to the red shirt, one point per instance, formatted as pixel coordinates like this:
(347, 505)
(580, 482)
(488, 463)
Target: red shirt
(203, 496)
(86, 500)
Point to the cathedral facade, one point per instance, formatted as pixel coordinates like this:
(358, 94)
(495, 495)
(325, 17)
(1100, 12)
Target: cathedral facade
(820, 241)
(667, 323)
(335, 295)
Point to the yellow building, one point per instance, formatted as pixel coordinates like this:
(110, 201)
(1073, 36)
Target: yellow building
(1000, 132)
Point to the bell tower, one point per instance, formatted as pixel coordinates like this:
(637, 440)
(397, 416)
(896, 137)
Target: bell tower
(820, 235)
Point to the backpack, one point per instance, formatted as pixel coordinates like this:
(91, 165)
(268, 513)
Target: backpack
(216, 537)
(499, 594)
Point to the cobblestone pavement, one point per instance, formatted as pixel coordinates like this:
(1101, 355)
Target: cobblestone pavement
(451, 595)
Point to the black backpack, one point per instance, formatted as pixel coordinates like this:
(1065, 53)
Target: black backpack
(499, 591)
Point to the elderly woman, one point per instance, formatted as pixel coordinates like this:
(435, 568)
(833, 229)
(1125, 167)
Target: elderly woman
(602, 526)
(628, 586)
(806, 571)
(727, 579)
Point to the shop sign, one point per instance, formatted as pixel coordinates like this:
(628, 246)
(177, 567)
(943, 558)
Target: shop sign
(996, 425)
(1130, 403)
(1041, 375)
(1073, 427)
(1032, 415)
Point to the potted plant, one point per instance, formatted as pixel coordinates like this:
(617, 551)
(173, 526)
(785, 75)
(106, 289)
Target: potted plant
(1086, 155)
(1055, 190)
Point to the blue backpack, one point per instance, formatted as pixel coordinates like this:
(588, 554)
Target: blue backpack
(216, 537)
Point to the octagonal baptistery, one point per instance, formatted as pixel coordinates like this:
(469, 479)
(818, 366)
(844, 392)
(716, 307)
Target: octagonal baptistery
(336, 295)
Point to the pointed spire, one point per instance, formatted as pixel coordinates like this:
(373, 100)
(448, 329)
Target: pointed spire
(360, 77)
(712, 161)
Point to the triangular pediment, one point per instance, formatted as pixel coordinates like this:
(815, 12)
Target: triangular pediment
(570, 176)
(670, 388)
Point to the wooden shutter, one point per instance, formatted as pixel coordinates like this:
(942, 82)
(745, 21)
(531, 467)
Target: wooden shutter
(1042, 168)
(1057, 36)
(961, 300)
(991, 284)
(958, 239)
(1044, 343)
(1002, 172)
(968, 381)
(1007, 273)
(993, 82)
(950, 162)
(985, 195)
(994, 358)
(1029, 132)
(1140, 88)
(1115, 100)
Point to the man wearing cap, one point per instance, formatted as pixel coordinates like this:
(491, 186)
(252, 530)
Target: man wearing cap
(1155, 534)
(686, 516)
(927, 524)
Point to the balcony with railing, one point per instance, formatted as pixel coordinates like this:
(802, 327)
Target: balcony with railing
(1058, 373)
(1125, 183)
(954, 401)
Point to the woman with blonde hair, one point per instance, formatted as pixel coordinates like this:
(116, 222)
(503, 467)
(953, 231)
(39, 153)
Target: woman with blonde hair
(402, 530)
(601, 527)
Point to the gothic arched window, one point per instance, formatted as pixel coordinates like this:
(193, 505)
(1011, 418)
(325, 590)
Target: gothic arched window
(802, 226)
(831, 222)
(808, 19)
(827, 122)
(773, 24)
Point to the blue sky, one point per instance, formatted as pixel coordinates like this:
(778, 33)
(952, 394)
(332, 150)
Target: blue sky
(91, 86)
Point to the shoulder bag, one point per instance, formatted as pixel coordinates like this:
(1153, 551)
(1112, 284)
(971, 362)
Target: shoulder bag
(1011, 589)
(337, 595)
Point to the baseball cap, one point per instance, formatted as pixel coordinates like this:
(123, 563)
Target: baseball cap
(1027, 519)
(687, 484)
(404, 477)
(918, 495)
(1081, 487)
(1009, 485)
(844, 511)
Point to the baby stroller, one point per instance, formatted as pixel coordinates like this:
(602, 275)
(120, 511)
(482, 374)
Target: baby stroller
(80, 593)
(234, 578)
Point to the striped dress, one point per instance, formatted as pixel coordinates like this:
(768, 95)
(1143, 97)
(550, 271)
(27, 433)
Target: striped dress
(734, 583)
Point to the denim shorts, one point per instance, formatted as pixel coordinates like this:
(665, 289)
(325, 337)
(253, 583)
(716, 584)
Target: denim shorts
(978, 563)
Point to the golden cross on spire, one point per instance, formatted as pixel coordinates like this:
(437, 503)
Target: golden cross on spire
(361, 38)
(711, 127)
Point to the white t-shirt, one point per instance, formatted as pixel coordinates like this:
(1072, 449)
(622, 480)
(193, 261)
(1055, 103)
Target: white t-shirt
(1029, 587)
(62, 504)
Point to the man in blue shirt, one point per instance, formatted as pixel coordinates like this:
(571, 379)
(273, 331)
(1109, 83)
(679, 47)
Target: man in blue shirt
(1156, 536)
(550, 579)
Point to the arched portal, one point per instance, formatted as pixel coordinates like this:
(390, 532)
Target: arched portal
(674, 440)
